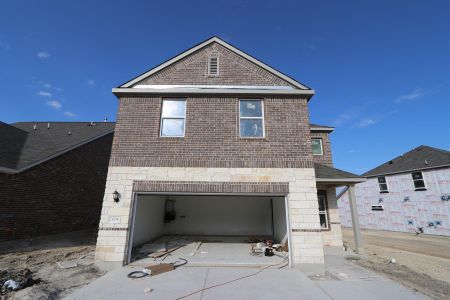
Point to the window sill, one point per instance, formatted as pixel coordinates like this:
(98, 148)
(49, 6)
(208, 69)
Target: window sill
(254, 139)
(317, 154)
(420, 189)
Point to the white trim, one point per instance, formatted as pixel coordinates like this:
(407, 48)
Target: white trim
(131, 228)
(204, 86)
(330, 129)
(385, 182)
(184, 91)
(321, 146)
(173, 118)
(255, 118)
(209, 64)
(341, 180)
(14, 171)
(288, 225)
(414, 181)
(224, 44)
(324, 212)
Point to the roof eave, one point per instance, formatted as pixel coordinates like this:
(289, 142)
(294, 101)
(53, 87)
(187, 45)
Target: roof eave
(340, 181)
(406, 171)
(322, 129)
(201, 91)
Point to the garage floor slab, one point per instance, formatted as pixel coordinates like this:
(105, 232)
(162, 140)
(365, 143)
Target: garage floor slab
(230, 251)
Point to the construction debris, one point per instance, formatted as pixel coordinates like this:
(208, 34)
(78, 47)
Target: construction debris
(196, 247)
(158, 269)
(15, 280)
(151, 248)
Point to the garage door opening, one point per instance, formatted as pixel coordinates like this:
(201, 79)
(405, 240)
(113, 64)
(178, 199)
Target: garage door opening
(209, 230)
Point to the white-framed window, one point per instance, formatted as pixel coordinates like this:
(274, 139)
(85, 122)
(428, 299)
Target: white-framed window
(213, 65)
(173, 118)
(317, 146)
(323, 208)
(251, 118)
(383, 184)
(419, 183)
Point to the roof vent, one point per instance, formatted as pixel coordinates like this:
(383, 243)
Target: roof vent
(391, 162)
(92, 124)
(34, 127)
(426, 162)
(105, 119)
(48, 125)
(213, 65)
(70, 133)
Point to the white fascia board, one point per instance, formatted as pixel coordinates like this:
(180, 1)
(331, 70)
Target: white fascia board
(184, 91)
(341, 180)
(330, 129)
(224, 44)
(247, 87)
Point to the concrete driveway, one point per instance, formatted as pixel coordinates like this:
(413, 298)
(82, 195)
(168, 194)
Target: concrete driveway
(344, 280)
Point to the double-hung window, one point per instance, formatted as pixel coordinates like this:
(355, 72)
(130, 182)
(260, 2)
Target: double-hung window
(382, 184)
(323, 215)
(173, 117)
(317, 147)
(251, 119)
(419, 183)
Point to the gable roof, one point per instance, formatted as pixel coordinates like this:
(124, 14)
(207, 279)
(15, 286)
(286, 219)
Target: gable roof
(297, 85)
(22, 146)
(420, 158)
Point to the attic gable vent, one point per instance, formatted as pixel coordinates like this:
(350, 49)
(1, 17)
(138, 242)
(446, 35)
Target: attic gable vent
(213, 65)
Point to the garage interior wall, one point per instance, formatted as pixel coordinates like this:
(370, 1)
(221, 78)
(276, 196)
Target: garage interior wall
(149, 218)
(279, 219)
(210, 215)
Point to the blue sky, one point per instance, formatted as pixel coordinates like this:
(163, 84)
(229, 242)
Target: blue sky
(381, 69)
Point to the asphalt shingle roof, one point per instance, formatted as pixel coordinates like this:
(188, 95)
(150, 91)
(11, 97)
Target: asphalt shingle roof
(21, 145)
(325, 172)
(422, 157)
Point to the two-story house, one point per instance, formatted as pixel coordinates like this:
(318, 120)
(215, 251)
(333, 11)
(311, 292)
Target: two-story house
(214, 142)
(409, 193)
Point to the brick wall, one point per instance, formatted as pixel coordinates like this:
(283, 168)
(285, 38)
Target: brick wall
(233, 70)
(61, 195)
(212, 135)
(326, 158)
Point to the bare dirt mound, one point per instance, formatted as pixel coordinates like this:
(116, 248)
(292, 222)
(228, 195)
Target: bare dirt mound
(36, 270)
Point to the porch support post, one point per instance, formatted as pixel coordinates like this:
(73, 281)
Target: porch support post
(355, 220)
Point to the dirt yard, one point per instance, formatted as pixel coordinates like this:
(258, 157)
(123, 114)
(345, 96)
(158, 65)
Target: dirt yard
(422, 262)
(34, 265)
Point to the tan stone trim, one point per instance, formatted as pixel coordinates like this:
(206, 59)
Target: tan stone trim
(113, 229)
(280, 188)
(210, 163)
(335, 223)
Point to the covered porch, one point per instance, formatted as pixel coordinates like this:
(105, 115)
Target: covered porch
(327, 180)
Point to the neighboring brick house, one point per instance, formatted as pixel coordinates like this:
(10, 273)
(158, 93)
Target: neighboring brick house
(228, 138)
(52, 176)
(410, 193)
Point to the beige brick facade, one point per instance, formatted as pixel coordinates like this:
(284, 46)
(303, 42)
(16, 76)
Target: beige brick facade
(307, 245)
